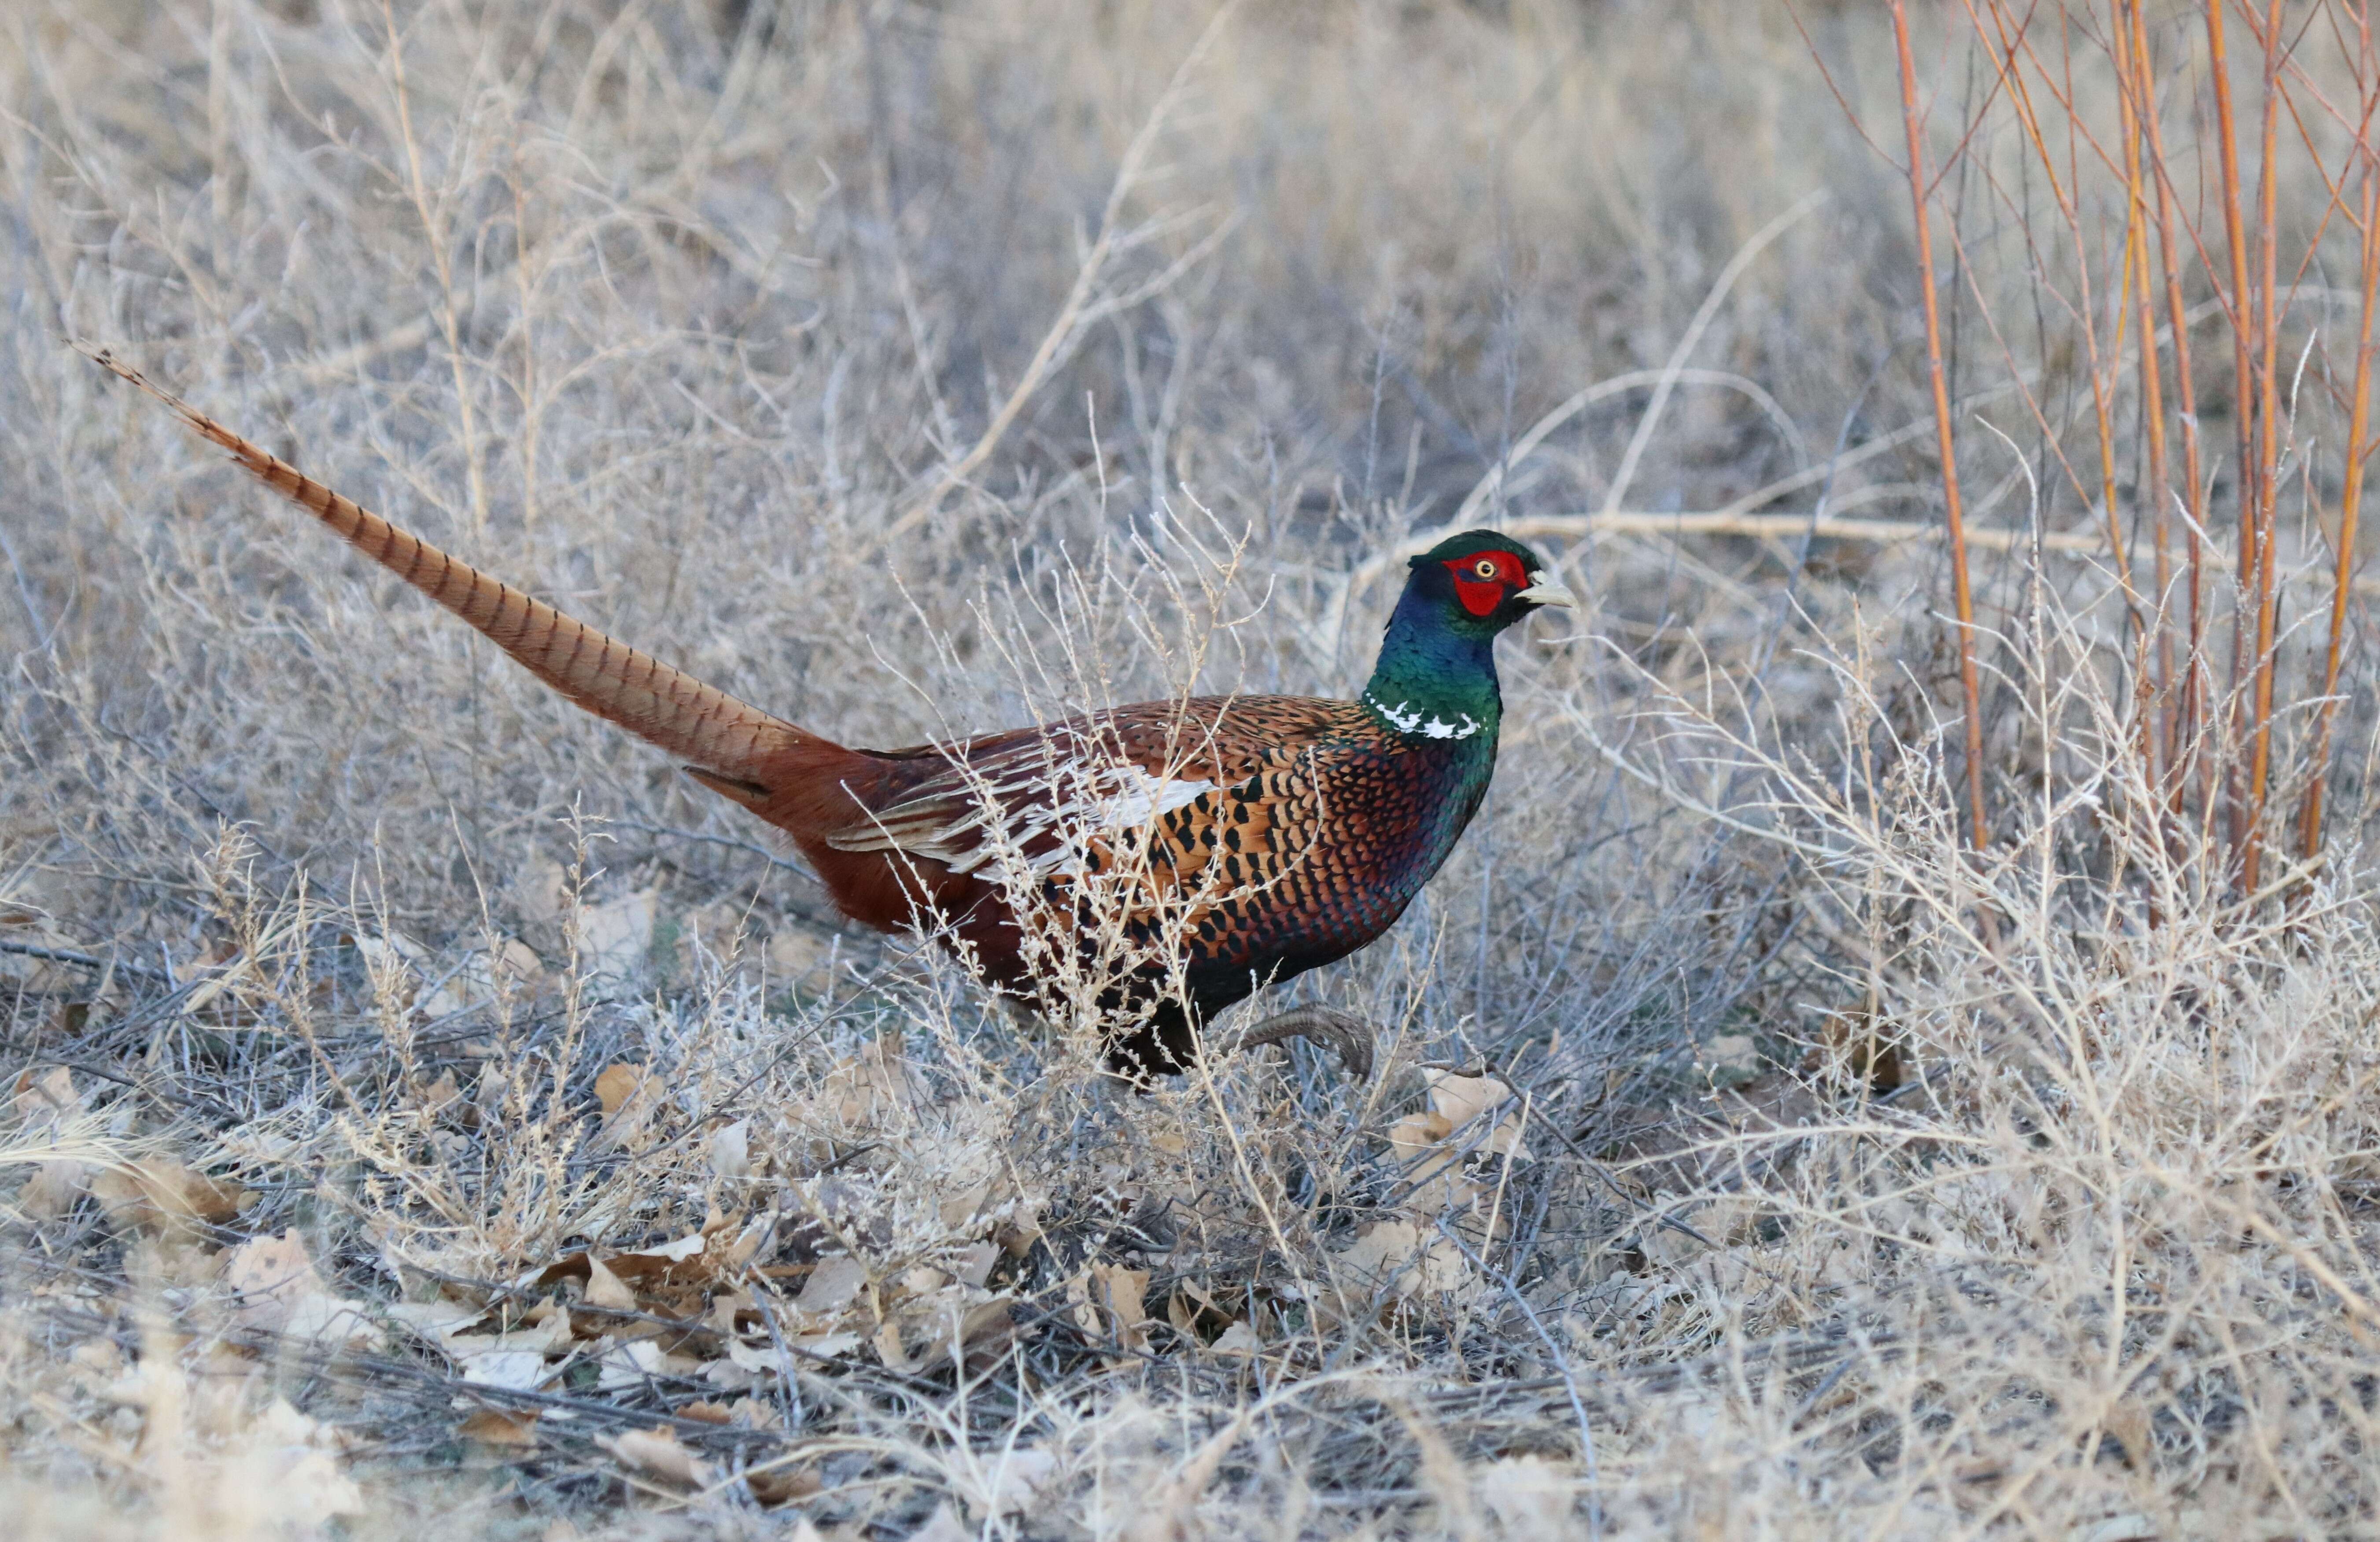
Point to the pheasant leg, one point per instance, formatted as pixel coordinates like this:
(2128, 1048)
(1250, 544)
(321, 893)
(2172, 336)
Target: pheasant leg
(1165, 1045)
(1349, 1037)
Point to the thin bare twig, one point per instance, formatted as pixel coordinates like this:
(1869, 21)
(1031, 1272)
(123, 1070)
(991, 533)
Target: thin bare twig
(1953, 517)
(1073, 314)
(2350, 499)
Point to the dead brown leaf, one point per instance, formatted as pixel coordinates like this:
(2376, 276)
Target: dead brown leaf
(776, 1486)
(630, 1095)
(1193, 1309)
(730, 1150)
(616, 937)
(1018, 1480)
(862, 1090)
(656, 1453)
(281, 1292)
(606, 1289)
(832, 1286)
(1431, 1144)
(634, 1362)
(515, 1360)
(161, 1195)
(1111, 1302)
(46, 1100)
(754, 1413)
(1404, 1258)
(441, 1096)
(662, 1257)
(55, 1187)
(926, 1331)
(617, 1084)
(46, 1105)
(499, 1426)
(1459, 1099)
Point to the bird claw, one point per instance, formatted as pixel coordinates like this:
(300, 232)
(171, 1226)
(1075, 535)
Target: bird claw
(1349, 1037)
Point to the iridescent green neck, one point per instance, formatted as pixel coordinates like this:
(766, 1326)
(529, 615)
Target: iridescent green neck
(1435, 680)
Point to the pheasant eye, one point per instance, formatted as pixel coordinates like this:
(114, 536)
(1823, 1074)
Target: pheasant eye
(1485, 568)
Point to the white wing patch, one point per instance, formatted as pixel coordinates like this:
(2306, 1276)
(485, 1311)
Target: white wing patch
(1408, 720)
(1038, 808)
(1146, 797)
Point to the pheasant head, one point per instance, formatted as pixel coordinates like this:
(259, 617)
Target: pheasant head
(1437, 674)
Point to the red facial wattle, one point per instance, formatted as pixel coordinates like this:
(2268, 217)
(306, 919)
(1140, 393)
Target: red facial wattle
(1483, 579)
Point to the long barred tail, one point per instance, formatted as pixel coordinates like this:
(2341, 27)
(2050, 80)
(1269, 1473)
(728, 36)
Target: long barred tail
(730, 738)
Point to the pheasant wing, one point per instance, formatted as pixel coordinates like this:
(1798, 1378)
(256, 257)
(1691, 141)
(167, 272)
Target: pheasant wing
(1159, 778)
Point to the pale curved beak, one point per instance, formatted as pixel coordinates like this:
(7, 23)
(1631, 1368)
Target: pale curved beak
(1543, 590)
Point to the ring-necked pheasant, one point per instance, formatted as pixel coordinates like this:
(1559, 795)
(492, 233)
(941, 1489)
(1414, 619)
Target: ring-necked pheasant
(1240, 840)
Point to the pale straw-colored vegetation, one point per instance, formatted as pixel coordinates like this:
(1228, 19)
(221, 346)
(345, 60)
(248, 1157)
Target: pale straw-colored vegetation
(425, 1109)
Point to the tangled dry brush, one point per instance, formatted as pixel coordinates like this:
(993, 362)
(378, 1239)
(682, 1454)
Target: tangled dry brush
(426, 1109)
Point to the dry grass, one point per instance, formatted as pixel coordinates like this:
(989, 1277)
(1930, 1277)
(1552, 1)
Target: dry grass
(432, 1110)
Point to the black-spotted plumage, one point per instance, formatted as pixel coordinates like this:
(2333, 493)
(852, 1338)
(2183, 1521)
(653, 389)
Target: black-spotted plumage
(1254, 838)
(1309, 825)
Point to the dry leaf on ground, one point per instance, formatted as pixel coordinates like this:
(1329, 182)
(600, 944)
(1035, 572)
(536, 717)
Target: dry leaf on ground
(295, 1459)
(161, 1195)
(616, 1084)
(514, 1360)
(1404, 1258)
(48, 1106)
(924, 1331)
(1529, 1496)
(634, 1362)
(730, 1150)
(45, 1100)
(1433, 1145)
(833, 1285)
(606, 1289)
(656, 1453)
(499, 1426)
(1110, 1305)
(630, 1095)
(783, 1485)
(862, 1090)
(792, 955)
(405, 978)
(615, 938)
(280, 1292)
(435, 1320)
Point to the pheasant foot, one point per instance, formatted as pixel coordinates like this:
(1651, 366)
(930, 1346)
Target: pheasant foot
(1347, 1036)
